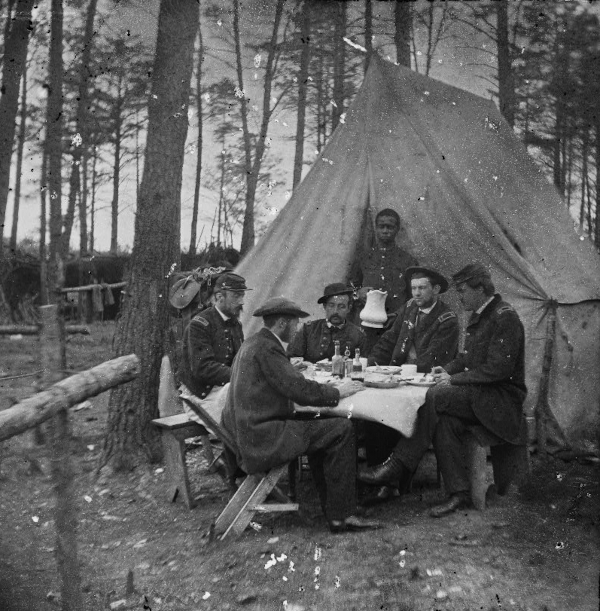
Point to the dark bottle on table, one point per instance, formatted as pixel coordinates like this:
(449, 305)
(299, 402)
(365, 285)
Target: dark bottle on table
(337, 362)
(357, 369)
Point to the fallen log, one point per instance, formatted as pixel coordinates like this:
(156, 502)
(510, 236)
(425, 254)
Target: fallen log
(89, 287)
(35, 329)
(67, 392)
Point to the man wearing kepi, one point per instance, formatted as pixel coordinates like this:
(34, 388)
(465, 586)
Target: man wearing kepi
(424, 333)
(259, 416)
(315, 341)
(484, 385)
(210, 343)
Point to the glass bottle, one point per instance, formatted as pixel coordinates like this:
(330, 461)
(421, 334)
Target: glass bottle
(357, 368)
(337, 361)
(347, 363)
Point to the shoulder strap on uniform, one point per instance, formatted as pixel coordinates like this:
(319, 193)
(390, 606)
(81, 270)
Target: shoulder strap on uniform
(505, 308)
(446, 316)
(199, 318)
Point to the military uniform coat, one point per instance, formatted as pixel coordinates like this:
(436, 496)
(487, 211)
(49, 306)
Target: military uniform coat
(493, 363)
(260, 404)
(209, 347)
(314, 341)
(435, 338)
(383, 269)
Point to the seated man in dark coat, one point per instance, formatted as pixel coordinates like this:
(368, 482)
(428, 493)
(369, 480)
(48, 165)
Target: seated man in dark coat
(211, 341)
(424, 333)
(484, 385)
(259, 416)
(315, 341)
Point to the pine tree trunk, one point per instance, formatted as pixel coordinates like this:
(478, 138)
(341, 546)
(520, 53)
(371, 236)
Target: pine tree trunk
(339, 64)
(81, 121)
(368, 32)
(15, 55)
(43, 230)
(302, 93)
(192, 250)
(402, 32)
(506, 81)
(20, 147)
(93, 202)
(114, 207)
(142, 328)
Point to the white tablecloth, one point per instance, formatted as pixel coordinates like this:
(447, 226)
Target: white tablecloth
(394, 407)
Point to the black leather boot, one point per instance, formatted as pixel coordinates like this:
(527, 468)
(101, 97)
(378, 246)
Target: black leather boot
(391, 471)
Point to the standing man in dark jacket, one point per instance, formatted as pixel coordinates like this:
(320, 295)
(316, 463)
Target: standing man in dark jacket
(210, 343)
(424, 333)
(485, 385)
(259, 416)
(315, 341)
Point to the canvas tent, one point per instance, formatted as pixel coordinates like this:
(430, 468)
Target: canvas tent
(466, 191)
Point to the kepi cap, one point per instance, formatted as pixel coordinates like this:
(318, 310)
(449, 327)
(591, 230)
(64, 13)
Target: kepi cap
(280, 306)
(230, 282)
(337, 288)
(471, 272)
(436, 277)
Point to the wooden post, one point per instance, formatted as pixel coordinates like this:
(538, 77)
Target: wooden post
(65, 513)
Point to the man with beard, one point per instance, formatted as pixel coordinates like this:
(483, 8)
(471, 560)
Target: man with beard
(259, 416)
(316, 339)
(210, 343)
(425, 333)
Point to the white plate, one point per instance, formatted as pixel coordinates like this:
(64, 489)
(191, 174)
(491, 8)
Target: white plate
(417, 382)
(385, 369)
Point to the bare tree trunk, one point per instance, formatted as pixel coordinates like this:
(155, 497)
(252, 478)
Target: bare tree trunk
(130, 436)
(43, 230)
(83, 241)
(81, 139)
(506, 81)
(20, 147)
(93, 202)
(402, 32)
(114, 208)
(368, 32)
(597, 128)
(192, 250)
(15, 55)
(319, 83)
(253, 167)
(339, 64)
(302, 93)
(584, 165)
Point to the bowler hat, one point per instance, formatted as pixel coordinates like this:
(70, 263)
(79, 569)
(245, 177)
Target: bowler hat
(230, 282)
(432, 274)
(472, 271)
(183, 292)
(337, 288)
(280, 306)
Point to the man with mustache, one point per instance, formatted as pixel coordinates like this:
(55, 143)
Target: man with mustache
(211, 341)
(316, 339)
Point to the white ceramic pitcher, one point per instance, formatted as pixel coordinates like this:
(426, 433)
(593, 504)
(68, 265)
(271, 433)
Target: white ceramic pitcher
(373, 314)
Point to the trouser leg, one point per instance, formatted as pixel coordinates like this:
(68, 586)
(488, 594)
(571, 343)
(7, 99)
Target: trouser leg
(380, 441)
(331, 450)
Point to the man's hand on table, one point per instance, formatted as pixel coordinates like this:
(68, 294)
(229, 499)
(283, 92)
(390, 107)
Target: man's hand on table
(440, 376)
(347, 388)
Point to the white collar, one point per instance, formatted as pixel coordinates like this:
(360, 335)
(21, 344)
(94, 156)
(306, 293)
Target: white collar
(336, 326)
(223, 316)
(427, 310)
(485, 305)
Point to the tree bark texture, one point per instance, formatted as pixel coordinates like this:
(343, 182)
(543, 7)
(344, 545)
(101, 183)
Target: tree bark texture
(43, 229)
(506, 81)
(20, 148)
(368, 32)
(339, 64)
(302, 93)
(194, 229)
(114, 207)
(15, 56)
(402, 32)
(142, 328)
(81, 120)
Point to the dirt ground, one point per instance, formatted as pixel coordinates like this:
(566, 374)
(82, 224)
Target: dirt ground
(535, 549)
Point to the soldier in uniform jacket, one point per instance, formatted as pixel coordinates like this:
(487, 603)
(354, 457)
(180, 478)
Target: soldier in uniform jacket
(212, 339)
(424, 333)
(485, 385)
(315, 341)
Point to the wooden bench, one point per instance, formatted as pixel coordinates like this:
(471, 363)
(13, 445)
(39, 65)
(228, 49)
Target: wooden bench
(174, 431)
(509, 463)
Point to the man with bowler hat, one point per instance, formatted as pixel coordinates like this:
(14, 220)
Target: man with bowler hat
(484, 385)
(424, 333)
(259, 416)
(210, 343)
(315, 341)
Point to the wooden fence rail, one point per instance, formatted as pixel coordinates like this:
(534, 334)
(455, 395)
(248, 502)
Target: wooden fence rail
(89, 287)
(35, 329)
(62, 395)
